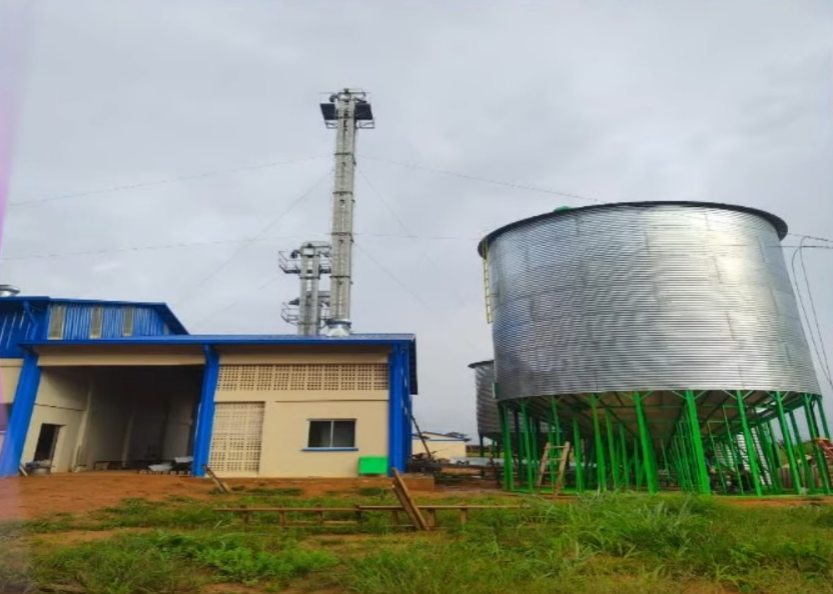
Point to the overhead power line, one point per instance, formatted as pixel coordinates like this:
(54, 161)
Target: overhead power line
(159, 182)
(190, 244)
(812, 323)
(257, 236)
(525, 187)
(408, 290)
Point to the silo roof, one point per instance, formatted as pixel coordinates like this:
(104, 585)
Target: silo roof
(777, 222)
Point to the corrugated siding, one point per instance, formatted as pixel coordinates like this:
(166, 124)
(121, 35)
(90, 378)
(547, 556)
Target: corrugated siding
(15, 326)
(77, 320)
(146, 322)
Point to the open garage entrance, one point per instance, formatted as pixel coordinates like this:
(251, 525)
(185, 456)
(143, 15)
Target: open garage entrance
(113, 417)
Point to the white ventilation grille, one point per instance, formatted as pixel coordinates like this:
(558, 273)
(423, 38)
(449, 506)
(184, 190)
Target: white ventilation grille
(236, 437)
(307, 377)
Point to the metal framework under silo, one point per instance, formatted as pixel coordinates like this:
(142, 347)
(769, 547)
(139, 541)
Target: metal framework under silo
(663, 341)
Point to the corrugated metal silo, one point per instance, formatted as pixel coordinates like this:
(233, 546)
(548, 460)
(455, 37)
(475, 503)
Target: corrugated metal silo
(488, 423)
(662, 331)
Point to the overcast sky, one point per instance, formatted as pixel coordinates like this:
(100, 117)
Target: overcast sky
(620, 100)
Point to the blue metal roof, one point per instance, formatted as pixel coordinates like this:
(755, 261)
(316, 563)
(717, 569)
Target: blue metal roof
(162, 309)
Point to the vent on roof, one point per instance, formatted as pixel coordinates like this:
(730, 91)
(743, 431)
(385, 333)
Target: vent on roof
(8, 291)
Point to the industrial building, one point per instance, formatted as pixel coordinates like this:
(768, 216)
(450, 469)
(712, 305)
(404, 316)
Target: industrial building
(94, 385)
(662, 340)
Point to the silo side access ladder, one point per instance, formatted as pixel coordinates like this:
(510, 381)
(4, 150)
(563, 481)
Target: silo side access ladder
(826, 447)
(562, 456)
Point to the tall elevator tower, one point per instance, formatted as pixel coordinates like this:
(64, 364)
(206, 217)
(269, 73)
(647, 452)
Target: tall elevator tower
(345, 111)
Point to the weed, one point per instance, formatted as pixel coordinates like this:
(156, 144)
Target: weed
(121, 566)
(284, 492)
(241, 558)
(373, 491)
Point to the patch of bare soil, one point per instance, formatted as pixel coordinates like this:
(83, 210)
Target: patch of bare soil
(36, 496)
(30, 497)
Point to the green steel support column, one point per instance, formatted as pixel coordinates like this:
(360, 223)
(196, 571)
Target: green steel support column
(812, 425)
(697, 442)
(508, 478)
(731, 445)
(728, 454)
(809, 479)
(550, 442)
(527, 446)
(559, 438)
(578, 455)
(720, 476)
(637, 467)
(823, 418)
(750, 446)
(611, 446)
(683, 470)
(534, 430)
(482, 450)
(776, 460)
(785, 432)
(601, 468)
(623, 444)
(648, 462)
(771, 458)
(518, 445)
(666, 468)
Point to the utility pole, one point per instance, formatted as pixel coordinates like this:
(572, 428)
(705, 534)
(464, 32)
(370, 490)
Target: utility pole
(347, 111)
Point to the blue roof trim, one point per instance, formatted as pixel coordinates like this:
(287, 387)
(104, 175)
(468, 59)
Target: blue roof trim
(165, 312)
(228, 339)
(248, 339)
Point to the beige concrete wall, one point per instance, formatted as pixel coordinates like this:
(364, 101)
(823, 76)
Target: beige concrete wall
(9, 374)
(134, 355)
(61, 400)
(440, 449)
(283, 455)
(287, 414)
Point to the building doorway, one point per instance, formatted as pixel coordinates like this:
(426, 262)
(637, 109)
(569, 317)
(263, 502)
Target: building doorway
(47, 442)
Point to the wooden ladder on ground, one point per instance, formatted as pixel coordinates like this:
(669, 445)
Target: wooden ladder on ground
(400, 489)
(826, 447)
(562, 457)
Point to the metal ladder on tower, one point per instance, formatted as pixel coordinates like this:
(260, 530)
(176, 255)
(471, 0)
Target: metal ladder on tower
(562, 457)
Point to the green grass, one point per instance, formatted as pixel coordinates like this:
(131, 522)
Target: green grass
(612, 543)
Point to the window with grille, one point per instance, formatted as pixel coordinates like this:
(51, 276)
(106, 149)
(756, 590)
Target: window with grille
(96, 322)
(332, 433)
(127, 321)
(57, 313)
(236, 437)
(301, 377)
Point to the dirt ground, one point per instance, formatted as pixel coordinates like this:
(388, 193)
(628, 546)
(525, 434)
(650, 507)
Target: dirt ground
(36, 496)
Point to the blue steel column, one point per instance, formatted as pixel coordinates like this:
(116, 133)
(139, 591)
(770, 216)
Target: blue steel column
(407, 407)
(21, 415)
(396, 385)
(205, 412)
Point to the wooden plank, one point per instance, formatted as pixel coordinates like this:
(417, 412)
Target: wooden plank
(404, 496)
(217, 482)
(562, 468)
(545, 459)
